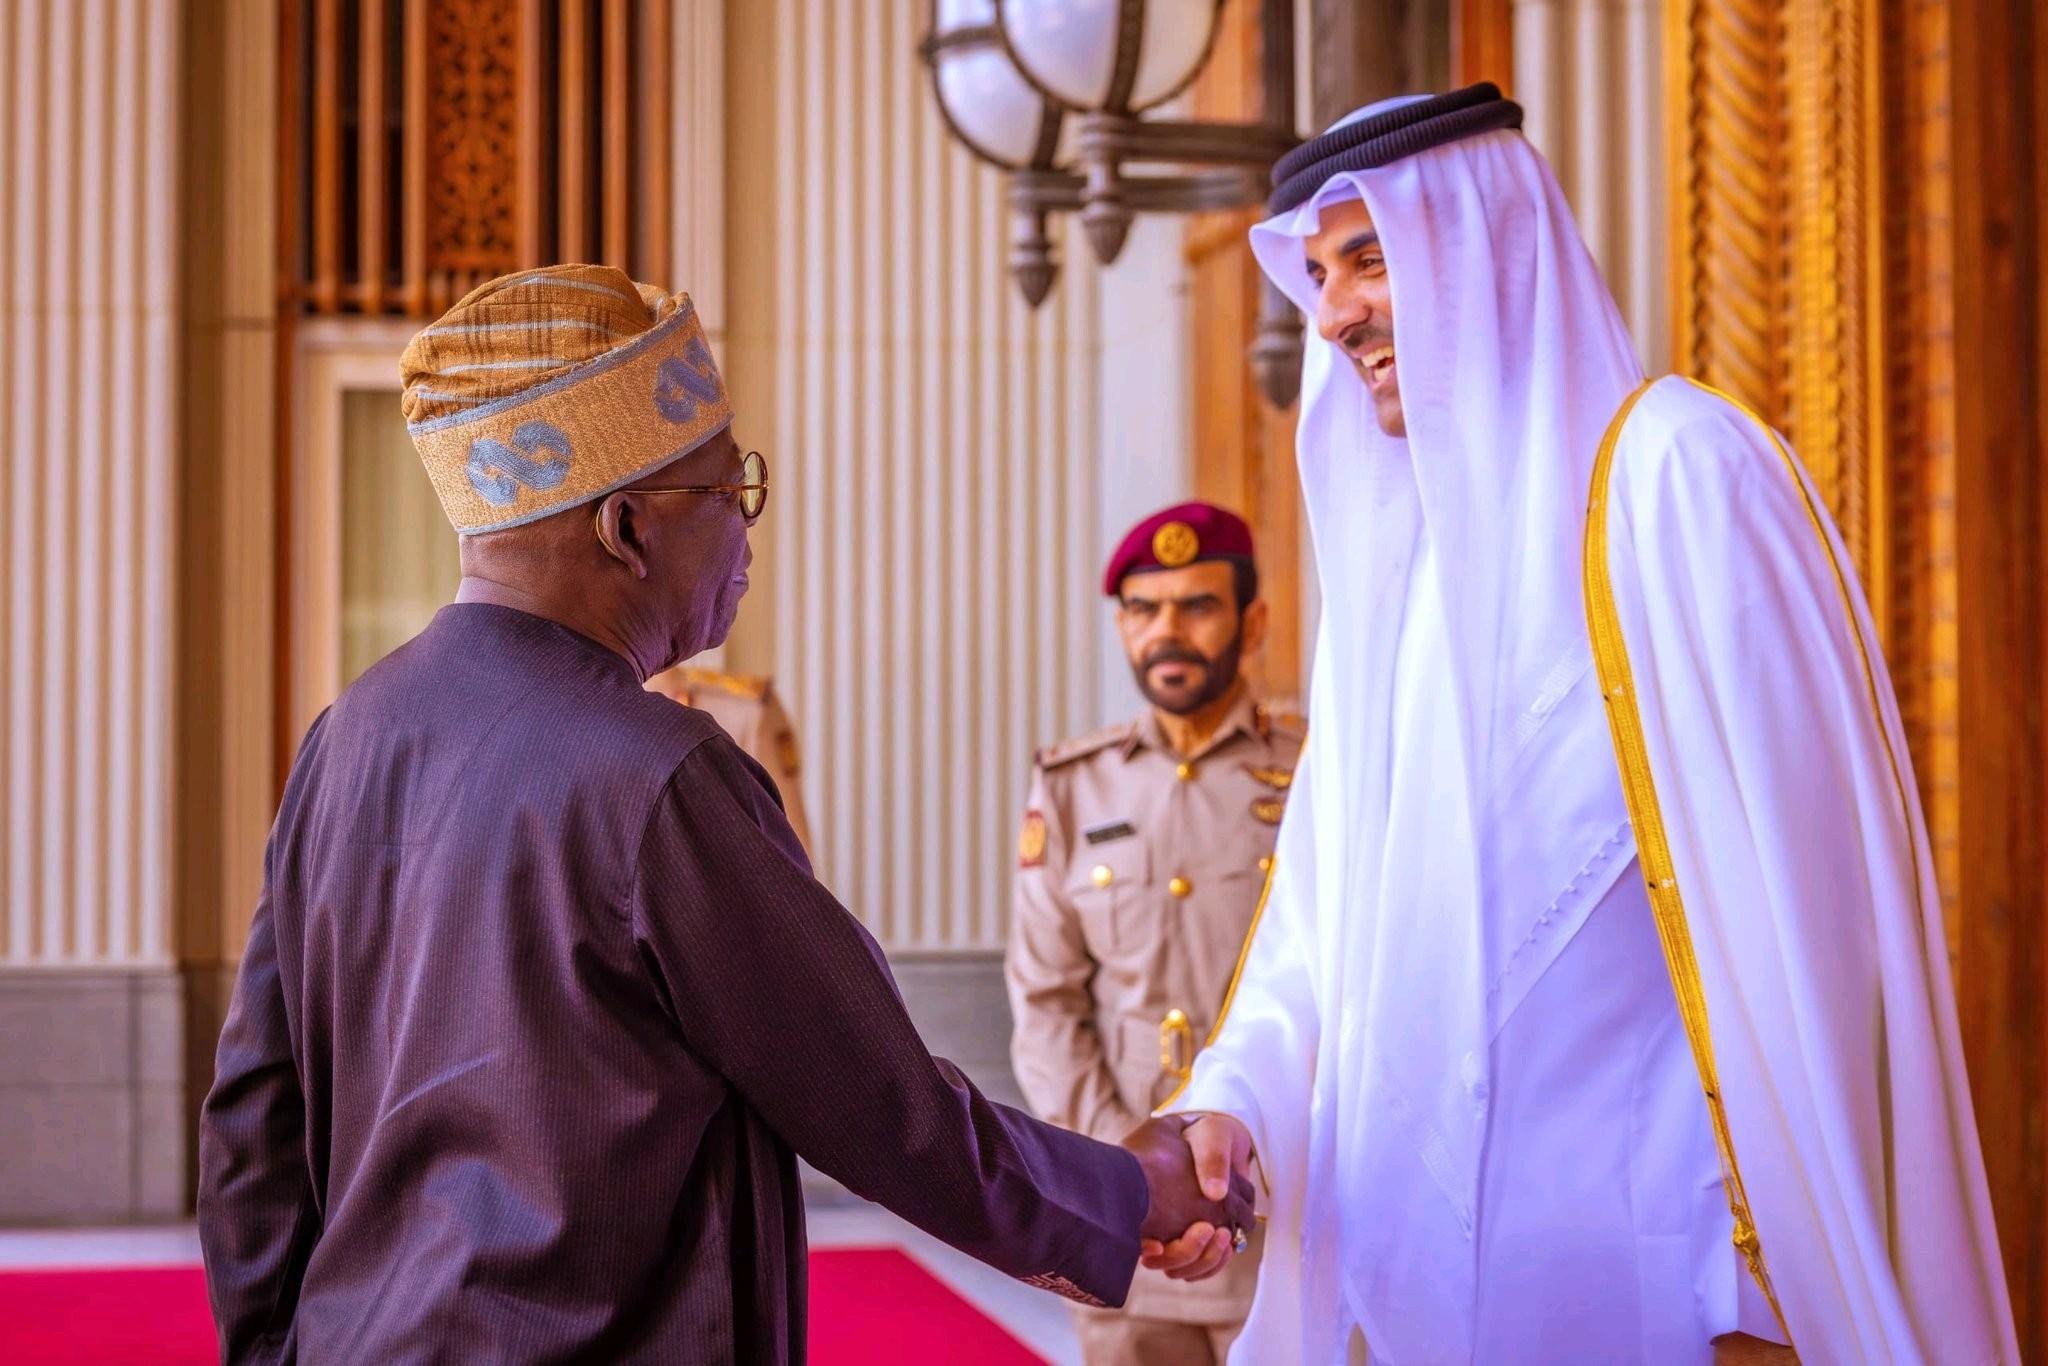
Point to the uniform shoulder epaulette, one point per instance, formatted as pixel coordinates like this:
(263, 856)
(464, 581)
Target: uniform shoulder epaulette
(1081, 746)
(1279, 720)
(751, 687)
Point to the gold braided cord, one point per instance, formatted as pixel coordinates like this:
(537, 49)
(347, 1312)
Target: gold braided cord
(1230, 996)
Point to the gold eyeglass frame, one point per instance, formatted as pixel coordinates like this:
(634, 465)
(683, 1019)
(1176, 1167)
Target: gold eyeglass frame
(759, 486)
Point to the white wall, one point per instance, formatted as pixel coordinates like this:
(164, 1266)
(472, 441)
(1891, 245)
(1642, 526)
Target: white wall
(946, 462)
(1145, 439)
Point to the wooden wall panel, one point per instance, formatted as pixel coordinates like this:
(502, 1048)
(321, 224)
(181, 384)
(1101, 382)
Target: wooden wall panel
(1995, 145)
(1243, 446)
(438, 143)
(226, 628)
(1483, 43)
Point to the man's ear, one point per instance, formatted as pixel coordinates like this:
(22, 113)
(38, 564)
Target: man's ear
(1257, 619)
(619, 522)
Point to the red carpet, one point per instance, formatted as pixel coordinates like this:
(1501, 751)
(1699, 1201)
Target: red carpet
(867, 1305)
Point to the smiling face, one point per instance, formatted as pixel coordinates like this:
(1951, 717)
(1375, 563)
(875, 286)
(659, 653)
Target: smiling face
(1355, 303)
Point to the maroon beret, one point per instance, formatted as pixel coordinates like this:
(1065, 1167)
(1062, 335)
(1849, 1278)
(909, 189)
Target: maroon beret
(1186, 533)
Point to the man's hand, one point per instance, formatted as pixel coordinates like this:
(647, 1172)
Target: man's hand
(1195, 1214)
(1223, 1151)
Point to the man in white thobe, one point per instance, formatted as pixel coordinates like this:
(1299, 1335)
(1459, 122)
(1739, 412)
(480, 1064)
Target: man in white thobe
(1598, 1009)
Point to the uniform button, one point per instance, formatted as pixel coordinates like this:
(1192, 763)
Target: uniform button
(1180, 886)
(1266, 864)
(1102, 875)
(1186, 773)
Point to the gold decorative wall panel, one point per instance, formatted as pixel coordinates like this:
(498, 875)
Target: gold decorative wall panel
(1916, 401)
(1774, 201)
(1785, 231)
(1731, 218)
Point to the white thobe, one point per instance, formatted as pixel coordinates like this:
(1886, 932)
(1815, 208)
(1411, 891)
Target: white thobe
(1603, 1227)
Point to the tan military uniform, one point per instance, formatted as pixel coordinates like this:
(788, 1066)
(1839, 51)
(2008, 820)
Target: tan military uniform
(1138, 875)
(748, 710)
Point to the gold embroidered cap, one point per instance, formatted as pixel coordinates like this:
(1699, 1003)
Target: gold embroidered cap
(549, 388)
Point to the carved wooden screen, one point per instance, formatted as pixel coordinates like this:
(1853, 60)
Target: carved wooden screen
(1777, 211)
(433, 144)
(1244, 447)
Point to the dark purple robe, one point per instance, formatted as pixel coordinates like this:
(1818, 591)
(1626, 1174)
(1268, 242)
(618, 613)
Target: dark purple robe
(540, 1004)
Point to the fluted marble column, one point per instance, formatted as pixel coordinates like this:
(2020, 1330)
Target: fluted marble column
(88, 290)
(1590, 75)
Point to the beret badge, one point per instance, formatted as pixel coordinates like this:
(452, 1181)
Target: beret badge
(1175, 544)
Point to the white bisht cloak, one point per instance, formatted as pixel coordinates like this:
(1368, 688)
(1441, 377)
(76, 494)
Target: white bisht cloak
(1404, 920)
(1798, 856)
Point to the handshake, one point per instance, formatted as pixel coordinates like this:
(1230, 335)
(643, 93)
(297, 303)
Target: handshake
(1198, 1174)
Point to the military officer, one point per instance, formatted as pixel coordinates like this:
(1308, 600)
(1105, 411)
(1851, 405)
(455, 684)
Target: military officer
(748, 710)
(1140, 863)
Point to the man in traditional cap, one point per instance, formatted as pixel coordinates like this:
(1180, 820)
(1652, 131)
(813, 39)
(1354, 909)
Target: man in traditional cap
(541, 1001)
(1142, 855)
(1603, 928)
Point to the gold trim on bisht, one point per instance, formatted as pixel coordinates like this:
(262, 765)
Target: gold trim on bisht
(1617, 686)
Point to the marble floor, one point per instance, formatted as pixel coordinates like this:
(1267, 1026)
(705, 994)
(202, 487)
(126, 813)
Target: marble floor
(1038, 1320)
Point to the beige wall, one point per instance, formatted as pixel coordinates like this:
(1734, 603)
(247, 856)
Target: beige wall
(939, 455)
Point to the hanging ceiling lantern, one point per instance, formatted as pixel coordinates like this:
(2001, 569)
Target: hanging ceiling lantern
(1109, 56)
(1006, 73)
(997, 114)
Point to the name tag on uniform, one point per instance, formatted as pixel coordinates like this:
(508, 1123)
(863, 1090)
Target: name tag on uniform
(1109, 830)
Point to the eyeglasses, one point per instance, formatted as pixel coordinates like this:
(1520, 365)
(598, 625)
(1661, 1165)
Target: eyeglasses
(751, 491)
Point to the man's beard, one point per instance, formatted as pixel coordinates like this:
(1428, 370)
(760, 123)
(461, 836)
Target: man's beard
(1218, 677)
